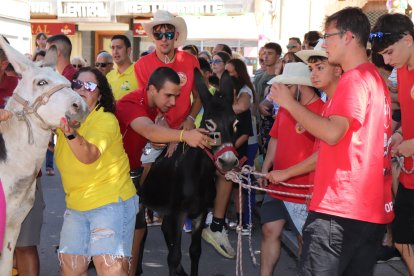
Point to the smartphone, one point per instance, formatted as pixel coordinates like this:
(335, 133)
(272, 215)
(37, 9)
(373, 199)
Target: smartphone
(216, 137)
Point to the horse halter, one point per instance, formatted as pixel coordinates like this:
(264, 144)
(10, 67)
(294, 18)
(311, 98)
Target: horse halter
(224, 148)
(32, 108)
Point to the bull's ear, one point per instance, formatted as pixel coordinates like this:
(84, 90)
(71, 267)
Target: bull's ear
(50, 59)
(20, 62)
(227, 87)
(203, 91)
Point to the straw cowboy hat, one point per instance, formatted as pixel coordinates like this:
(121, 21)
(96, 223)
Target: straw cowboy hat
(165, 17)
(294, 73)
(317, 51)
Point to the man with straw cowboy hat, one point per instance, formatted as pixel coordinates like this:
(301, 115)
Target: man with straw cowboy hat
(167, 32)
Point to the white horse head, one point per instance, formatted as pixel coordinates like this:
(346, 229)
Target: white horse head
(41, 98)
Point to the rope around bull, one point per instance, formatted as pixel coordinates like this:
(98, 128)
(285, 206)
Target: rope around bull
(240, 177)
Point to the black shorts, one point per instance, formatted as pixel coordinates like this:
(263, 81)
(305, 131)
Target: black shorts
(140, 222)
(339, 246)
(403, 224)
(274, 209)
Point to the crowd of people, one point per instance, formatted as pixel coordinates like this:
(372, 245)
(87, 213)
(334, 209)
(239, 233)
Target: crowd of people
(327, 117)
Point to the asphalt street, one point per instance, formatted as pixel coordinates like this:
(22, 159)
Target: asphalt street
(155, 256)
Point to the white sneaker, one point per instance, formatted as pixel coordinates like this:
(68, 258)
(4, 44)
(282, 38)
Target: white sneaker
(209, 218)
(220, 241)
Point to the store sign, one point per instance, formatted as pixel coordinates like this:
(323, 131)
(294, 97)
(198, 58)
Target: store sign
(53, 28)
(88, 10)
(41, 8)
(139, 30)
(190, 7)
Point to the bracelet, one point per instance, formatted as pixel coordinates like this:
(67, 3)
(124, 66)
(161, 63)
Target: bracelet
(181, 136)
(191, 118)
(71, 136)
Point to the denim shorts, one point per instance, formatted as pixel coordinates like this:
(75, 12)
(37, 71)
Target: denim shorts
(107, 230)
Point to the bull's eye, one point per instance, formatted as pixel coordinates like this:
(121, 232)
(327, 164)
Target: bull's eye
(235, 125)
(41, 82)
(211, 125)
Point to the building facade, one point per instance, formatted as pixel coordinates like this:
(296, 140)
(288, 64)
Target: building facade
(245, 25)
(15, 24)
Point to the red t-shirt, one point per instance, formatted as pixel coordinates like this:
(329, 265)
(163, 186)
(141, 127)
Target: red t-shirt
(69, 72)
(184, 65)
(406, 98)
(292, 147)
(128, 108)
(7, 86)
(349, 176)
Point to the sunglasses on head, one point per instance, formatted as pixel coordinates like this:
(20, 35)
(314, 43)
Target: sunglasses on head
(380, 35)
(168, 35)
(87, 85)
(215, 61)
(77, 65)
(102, 64)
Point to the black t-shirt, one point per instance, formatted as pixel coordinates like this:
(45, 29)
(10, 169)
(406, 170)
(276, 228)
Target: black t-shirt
(244, 127)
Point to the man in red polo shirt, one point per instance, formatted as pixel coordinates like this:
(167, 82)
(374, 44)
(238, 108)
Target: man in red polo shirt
(136, 113)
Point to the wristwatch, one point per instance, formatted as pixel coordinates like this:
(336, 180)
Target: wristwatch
(71, 136)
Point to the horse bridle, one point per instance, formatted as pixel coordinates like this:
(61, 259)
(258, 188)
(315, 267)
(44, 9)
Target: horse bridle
(224, 148)
(32, 108)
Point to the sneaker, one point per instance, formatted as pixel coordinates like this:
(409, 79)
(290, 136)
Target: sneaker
(246, 230)
(187, 227)
(50, 171)
(156, 221)
(209, 218)
(220, 241)
(387, 253)
(232, 225)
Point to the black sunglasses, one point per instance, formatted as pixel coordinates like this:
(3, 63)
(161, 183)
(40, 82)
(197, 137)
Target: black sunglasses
(168, 35)
(77, 65)
(102, 64)
(88, 85)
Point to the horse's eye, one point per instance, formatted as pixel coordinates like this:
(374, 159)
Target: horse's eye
(235, 125)
(211, 125)
(42, 82)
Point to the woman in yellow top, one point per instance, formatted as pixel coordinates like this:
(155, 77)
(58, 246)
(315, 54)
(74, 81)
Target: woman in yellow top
(101, 200)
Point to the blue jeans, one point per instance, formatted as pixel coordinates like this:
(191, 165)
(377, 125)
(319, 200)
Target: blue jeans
(108, 229)
(49, 159)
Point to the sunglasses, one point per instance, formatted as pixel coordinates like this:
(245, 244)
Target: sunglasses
(380, 35)
(88, 85)
(215, 61)
(102, 64)
(291, 46)
(168, 35)
(77, 65)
